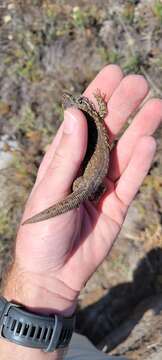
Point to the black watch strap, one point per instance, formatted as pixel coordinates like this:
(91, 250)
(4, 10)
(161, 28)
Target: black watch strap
(32, 330)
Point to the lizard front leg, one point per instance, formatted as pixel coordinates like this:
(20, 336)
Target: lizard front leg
(102, 104)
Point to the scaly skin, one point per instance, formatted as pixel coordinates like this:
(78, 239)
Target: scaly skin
(90, 185)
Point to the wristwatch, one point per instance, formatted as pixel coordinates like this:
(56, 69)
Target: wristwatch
(25, 328)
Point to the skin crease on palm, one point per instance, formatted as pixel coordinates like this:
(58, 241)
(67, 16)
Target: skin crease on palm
(57, 257)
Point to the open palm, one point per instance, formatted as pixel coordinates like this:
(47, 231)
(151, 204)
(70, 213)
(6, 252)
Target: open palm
(70, 247)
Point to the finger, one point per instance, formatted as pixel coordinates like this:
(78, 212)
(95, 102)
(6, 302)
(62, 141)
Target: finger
(62, 170)
(115, 205)
(136, 170)
(144, 124)
(107, 80)
(125, 99)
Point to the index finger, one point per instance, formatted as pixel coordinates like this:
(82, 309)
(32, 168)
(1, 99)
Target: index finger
(107, 80)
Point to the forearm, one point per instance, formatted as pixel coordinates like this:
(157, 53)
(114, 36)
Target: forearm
(12, 351)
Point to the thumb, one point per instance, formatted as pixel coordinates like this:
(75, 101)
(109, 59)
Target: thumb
(65, 162)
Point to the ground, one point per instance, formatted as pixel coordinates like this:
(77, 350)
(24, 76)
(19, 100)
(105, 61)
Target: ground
(47, 47)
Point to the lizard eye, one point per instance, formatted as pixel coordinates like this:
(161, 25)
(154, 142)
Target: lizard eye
(80, 101)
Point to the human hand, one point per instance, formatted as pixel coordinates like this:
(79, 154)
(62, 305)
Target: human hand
(55, 258)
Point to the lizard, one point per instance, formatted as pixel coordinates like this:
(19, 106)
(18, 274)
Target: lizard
(90, 185)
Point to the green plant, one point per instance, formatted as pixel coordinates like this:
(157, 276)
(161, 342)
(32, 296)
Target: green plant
(83, 18)
(128, 12)
(30, 69)
(153, 182)
(132, 64)
(4, 222)
(109, 56)
(157, 10)
(79, 17)
(26, 120)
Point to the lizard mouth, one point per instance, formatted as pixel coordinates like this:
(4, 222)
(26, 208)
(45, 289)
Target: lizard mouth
(67, 100)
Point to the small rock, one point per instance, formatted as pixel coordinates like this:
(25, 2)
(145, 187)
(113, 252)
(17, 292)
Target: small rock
(6, 157)
(7, 19)
(4, 108)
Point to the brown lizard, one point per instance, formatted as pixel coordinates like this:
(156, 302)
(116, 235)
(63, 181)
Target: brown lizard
(90, 185)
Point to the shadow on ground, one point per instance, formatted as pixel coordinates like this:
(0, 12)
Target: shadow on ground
(112, 319)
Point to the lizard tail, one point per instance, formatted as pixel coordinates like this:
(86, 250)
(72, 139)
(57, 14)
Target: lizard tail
(72, 201)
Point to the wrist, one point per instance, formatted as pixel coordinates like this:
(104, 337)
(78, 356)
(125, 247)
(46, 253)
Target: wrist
(39, 293)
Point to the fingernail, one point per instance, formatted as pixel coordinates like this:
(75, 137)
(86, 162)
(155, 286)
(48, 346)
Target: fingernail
(69, 123)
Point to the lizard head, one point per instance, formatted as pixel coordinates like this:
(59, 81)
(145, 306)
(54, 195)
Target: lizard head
(81, 102)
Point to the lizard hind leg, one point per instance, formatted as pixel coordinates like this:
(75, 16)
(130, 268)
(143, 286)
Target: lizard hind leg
(81, 188)
(98, 193)
(102, 104)
(78, 183)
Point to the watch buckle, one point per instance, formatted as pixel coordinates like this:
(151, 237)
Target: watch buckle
(4, 315)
